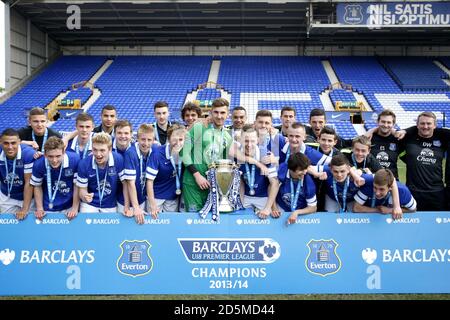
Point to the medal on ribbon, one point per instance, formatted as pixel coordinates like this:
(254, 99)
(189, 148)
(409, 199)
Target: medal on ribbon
(52, 195)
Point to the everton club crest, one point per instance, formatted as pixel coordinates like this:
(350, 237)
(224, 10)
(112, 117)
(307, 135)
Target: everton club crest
(353, 14)
(135, 260)
(322, 259)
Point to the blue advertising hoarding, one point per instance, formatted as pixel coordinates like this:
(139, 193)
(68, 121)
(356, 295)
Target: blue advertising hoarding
(394, 14)
(181, 253)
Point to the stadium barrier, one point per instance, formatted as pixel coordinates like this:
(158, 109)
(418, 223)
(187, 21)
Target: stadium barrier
(180, 253)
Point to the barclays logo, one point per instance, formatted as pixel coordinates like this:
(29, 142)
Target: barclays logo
(9, 221)
(252, 221)
(157, 221)
(322, 258)
(440, 220)
(102, 221)
(135, 260)
(369, 255)
(308, 221)
(7, 256)
(52, 221)
(201, 221)
(229, 250)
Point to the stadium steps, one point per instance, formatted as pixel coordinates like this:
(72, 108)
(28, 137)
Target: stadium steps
(95, 95)
(214, 71)
(326, 101)
(100, 71)
(443, 68)
(60, 96)
(212, 81)
(359, 128)
(96, 92)
(330, 72)
(92, 80)
(360, 98)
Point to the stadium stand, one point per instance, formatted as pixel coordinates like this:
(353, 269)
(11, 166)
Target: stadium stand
(208, 94)
(57, 78)
(343, 128)
(278, 79)
(368, 77)
(341, 95)
(445, 61)
(133, 85)
(416, 74)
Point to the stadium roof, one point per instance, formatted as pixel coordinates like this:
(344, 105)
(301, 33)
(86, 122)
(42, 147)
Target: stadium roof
(215, 22)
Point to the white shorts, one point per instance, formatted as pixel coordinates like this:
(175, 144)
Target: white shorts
(87, 208)
(167, 205)
(255, 202)
(9, 205)
(121, 208)
(332, 206)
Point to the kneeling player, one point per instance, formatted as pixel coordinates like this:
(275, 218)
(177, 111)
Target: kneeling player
(297, 192)
(53, 178)
(376, 196)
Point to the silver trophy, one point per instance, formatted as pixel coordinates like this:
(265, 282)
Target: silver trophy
(224, 178)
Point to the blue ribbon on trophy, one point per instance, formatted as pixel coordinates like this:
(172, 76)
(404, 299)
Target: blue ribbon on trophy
(212, 196)
(233, 196)
(224, 178)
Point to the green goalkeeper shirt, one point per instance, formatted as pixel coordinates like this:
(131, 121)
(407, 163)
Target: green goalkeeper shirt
(203, 146)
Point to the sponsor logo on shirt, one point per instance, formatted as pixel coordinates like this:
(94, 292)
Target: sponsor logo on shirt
(426, 156)
(383, 159)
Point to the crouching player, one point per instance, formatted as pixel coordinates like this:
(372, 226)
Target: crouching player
(297, 192)
(259, 191)
(376, 196)
(99, 176)
(53, 179)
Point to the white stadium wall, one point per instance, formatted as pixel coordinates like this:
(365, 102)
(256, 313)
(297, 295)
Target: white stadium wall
(2, 47)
